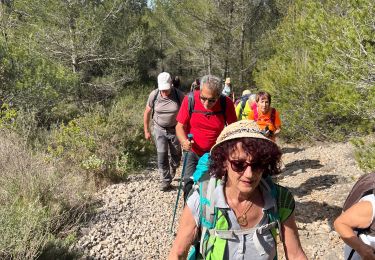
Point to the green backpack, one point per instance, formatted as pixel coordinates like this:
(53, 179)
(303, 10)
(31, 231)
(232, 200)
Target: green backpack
(212, 217)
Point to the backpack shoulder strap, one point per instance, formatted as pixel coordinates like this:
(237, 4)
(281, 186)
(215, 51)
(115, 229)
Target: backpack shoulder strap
(207, 207)
(255, 111)
(273, 213)
(273, 115)
(208, 211)
(223, 106)
(153, 103)
(243, 104)
(176, 94)
(191, 102)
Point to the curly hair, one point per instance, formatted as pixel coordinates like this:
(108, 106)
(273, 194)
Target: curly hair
(262, 151)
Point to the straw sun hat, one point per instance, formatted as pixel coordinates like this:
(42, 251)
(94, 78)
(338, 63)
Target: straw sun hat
(243, 128)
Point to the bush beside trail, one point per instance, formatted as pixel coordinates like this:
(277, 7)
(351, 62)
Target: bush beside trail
(321, 69)
(38, 199)
(48, 177)
(105, 143)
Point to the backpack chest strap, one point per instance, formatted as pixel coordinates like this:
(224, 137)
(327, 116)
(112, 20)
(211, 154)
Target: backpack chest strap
(258, 232)
(207, 112)
(232, 234)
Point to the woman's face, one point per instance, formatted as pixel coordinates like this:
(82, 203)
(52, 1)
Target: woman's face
(243, 174)
(263, 104)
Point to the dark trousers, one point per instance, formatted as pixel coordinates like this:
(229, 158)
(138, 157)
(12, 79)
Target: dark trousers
(190, 166)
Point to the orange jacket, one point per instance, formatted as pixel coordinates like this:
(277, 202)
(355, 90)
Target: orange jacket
(264, 120)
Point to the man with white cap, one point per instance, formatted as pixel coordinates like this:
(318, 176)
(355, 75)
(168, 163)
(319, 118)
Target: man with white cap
(162, 106)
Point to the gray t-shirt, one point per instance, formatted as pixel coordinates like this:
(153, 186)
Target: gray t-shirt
(241, 247)
(166, 108)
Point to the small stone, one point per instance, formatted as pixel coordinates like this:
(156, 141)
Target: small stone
(326, 228)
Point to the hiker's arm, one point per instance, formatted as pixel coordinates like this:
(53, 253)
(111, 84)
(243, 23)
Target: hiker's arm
(185, 236)
(357, 216)
(292, 244)
(182, 137)
(146, 122)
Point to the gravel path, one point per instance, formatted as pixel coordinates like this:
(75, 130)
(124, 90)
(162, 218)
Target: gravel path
(134, 218)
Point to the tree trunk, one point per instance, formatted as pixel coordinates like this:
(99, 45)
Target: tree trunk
(242, 45)
(72, 32)
(210, 58)
(228, 40)
(180, 63)
(161, 51)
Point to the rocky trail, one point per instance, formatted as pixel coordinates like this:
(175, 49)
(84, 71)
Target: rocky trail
(134, 218)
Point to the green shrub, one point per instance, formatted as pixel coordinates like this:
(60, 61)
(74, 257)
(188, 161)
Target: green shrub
(25, 228)
(105, 144)
(320, 71)
(125, 122)
(7, 114)
(37, 199)
(364, 152)
(36, 82)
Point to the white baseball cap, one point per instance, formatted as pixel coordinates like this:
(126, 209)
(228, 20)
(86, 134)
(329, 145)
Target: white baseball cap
(164, 81)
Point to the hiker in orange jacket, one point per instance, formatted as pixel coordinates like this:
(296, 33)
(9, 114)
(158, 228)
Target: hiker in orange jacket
(267, 118)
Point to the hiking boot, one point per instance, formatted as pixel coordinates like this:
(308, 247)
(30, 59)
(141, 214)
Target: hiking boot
(165, 186)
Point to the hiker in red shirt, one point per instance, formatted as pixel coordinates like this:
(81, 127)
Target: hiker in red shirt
(203, 113)
(267, 118)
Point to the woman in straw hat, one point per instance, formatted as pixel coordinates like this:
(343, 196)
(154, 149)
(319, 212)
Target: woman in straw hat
(240, 216)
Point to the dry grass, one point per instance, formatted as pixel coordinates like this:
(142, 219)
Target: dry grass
(37, 198)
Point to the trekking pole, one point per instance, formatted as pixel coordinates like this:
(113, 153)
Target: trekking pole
(190, 137)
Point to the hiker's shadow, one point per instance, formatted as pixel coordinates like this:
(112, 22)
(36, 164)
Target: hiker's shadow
(291, 150)
(314, 183)
(300, 166)
(311, 211)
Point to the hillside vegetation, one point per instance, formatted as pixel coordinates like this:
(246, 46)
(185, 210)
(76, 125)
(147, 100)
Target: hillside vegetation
(75, 77)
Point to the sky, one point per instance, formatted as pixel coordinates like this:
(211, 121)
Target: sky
(150, 3)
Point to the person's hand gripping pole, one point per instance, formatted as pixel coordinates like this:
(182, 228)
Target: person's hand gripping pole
(186, 145)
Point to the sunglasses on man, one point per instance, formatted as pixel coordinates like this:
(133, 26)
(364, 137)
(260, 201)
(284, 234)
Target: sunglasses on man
(209, 100)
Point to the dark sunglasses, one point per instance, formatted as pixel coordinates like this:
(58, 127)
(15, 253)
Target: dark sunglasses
(209, 100)
(240, 166)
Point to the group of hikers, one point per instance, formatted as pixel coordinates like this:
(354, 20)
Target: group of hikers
(233, 209)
